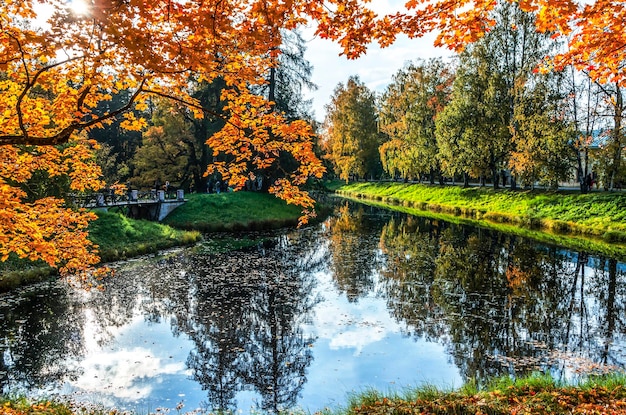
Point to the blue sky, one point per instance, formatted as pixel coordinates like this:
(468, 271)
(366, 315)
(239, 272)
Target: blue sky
(375, 69)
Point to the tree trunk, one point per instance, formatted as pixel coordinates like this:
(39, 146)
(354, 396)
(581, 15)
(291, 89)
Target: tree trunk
(617, 135)
(496, 178)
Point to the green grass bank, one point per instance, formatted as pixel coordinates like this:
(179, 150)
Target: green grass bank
(537, 394)
(233, 211)
(119, 237)
(599, 215)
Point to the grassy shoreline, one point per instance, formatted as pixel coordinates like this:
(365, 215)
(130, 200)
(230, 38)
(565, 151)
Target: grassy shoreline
(119, 237)
(233, 211)
(596, 216)
(535, 394)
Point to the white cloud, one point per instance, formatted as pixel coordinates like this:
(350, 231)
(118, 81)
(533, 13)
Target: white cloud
(121, 373)
(347, 325)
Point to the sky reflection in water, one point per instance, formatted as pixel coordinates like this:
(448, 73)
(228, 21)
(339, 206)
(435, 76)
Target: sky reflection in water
(368, 299)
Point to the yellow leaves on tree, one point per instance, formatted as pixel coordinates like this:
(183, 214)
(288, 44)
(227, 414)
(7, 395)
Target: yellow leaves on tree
(594, 30)
(255, 137)
(54, 73)
(45, 229)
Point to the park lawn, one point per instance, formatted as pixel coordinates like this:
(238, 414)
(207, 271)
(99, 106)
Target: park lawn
(597, 214)
(233, 211)
(119, 237)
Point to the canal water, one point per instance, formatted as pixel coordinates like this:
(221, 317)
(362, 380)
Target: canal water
(300, 320)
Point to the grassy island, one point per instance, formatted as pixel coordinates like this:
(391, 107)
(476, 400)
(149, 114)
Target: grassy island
(233, 211)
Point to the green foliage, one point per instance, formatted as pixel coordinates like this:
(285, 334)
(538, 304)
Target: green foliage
(541, 137)
(16, 272)
(352, 139)
(473, 130)
(233, 211)
(409, 107)
(168, 146)
(113, 170)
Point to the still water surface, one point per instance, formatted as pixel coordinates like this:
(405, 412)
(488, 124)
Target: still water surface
(369, 298)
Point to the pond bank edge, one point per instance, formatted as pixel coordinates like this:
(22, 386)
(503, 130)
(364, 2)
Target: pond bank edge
(533, 394)
(565, 234)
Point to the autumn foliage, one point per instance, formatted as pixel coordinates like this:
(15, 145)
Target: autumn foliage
(511, 400)
(56, 65)
(593, 31)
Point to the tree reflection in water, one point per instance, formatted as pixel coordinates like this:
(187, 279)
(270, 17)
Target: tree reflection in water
(499, 304)
(503, 304)
(244, 312)
(34, 341)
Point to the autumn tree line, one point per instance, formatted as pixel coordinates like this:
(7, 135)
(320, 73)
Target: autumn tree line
(493, 113)
(171, 147)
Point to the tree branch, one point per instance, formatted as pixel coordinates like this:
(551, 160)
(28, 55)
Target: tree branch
(64, 135)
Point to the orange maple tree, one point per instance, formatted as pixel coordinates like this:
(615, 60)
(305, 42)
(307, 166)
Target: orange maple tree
(53, 73)
(593, 30)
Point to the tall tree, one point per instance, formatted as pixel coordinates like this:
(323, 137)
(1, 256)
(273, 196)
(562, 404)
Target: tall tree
(472, 131)
(613, 110)
(288, 79)
(541, 137)
(167, 149)
(499, 73)
(352, 137)
(409, 107)
(518, 48)
(55, 75)
(582, 111)
(292, 78)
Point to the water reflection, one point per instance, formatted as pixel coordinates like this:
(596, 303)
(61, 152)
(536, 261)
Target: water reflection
(368, 298)
(503, 304)
(37, 333)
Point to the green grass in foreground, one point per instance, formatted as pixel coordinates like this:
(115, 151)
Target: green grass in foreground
(233, 211)
(537, 394)
(597, 214)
